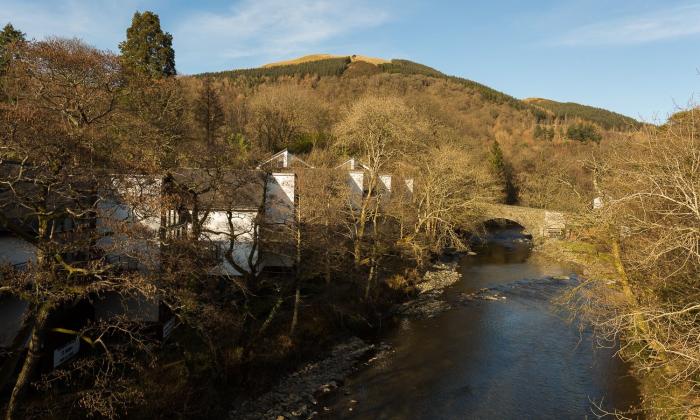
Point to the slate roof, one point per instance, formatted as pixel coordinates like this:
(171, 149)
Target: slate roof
(219, 190)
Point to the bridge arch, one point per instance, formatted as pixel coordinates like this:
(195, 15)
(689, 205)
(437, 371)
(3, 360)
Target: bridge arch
(539, 223)
(488, 222)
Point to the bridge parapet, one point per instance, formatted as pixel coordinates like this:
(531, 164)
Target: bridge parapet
(539, 223)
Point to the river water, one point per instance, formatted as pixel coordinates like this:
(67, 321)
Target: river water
(514, 358)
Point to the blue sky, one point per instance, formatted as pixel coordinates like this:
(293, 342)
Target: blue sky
(640, 58)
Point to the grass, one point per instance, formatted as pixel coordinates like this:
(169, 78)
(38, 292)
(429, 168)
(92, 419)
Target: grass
(318, 57)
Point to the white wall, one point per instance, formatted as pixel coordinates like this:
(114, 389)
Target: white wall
(280, 209)
(132, 217)
(356, 182)
(280, 198)
(409, 185)
(218, 232)
(384, 186)
(139, 200)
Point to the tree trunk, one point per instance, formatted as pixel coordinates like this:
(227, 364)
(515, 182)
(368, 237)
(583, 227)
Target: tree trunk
(295, 313)
(30, 362)
(373, 254)
(270, 317)
(10, 365)
(360, 224)
(297, 269)
(370, 279)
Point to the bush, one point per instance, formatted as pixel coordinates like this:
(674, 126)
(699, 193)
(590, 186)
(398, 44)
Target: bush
(543, 133)
(583, 132)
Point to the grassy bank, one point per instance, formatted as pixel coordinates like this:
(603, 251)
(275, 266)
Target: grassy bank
(595, 263)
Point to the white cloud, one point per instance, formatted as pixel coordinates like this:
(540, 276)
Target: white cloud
(271, 29)
(98, 23)
(248, 31)
(660, 25)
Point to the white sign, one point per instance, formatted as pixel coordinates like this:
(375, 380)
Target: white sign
(597, 203)
(65, 353)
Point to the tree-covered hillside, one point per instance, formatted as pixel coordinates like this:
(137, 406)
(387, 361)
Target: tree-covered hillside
(323, 67)
(571, 110)
(339, 66)
(326, 65)
(299, 106)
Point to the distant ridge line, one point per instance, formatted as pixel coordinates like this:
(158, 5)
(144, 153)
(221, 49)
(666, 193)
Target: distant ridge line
(319, 57)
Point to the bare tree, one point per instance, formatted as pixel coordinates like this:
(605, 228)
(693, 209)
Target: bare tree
(279, 115)
(652, 215)
(380, 131)
(450, 182)
(53, 172)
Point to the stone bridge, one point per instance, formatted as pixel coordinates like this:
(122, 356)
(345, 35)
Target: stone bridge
(539, 223)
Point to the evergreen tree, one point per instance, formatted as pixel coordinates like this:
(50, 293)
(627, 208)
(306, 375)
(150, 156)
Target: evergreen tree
(8, 36)
(504, 174)
(584, 133)
(147, 48)
(208, 111)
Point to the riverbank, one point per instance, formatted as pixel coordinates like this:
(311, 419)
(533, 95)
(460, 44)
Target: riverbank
(320, 388)
(296, 395)
(428, 303)
(596, 264)
(503, 350)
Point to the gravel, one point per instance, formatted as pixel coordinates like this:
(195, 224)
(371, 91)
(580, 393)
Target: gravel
(439, 277)
(429, 303)
(295, 396)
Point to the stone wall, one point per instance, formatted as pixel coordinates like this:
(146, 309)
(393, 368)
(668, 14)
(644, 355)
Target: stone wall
(539, 223)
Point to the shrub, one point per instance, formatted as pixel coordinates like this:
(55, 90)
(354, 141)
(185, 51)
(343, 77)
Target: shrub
(543, 133)
(583, 132)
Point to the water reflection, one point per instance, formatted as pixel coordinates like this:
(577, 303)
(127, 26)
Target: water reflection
(512, 358)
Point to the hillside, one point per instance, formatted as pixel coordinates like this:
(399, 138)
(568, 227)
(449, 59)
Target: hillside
(325, 65)
(299, 104)
(571, 110)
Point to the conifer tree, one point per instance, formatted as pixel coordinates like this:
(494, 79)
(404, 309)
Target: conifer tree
(8, 36)
(504, 174)
(208, 111)
(147, 48)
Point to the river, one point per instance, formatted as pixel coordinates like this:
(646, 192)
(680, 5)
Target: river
(513, 358)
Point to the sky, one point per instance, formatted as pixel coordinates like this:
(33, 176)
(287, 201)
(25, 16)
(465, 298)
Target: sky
(639, 58)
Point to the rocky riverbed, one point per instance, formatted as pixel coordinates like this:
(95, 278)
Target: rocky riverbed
(429, 302)
(481, 294)
(296, 395)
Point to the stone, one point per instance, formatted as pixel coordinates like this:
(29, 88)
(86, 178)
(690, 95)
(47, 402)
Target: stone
(295, 392)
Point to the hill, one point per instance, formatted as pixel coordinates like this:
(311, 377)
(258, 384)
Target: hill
(324, 65)
(571, 110)
(319, 57)
(298, 104)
